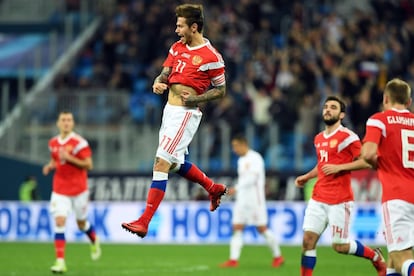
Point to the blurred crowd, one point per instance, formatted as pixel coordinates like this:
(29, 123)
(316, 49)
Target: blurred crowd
(282, 59)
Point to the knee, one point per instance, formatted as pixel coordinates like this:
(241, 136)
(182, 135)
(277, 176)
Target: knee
(307, 245)
(396, 262)
(81, 224)
(174, 168)
(161, 165)
(397, 258)
(341, 248)
(60, 221)
(309, 242)
(261, 229)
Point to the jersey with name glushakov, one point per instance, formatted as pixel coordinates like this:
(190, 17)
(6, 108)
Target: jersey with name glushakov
(68, 178)
(393, 132)
(197, 67)
(341, 146)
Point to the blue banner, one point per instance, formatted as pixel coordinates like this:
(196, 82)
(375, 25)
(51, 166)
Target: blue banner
(177, 222)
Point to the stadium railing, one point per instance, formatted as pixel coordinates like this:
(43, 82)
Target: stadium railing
(121, 144)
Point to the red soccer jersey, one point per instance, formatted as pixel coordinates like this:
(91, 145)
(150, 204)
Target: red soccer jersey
(68, 178)
(341, 146)
(196, 67)
(393, 132)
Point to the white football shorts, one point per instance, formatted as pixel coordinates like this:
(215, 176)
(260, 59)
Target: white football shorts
(246, 213)
(63, 205)
(398, 218)
(319, 215)
(178, 127)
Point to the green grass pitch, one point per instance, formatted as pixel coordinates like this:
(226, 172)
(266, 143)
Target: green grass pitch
(19, 258)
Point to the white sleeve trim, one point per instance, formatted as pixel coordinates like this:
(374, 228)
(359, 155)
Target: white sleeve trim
(377, 123)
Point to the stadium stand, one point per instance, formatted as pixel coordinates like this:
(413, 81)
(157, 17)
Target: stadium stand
(282, 60)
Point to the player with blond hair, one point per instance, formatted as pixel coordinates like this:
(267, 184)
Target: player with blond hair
(389, 146)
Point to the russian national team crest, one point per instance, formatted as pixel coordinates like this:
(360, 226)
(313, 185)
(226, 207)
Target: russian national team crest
(333, 143)
(197, 60)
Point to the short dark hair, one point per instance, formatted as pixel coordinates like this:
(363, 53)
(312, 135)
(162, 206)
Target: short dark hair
(342, 104)
(65, 111)
(193, 13)
(240, 137)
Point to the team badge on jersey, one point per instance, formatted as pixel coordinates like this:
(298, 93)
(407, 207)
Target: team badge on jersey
(197, 60)
(333, 143)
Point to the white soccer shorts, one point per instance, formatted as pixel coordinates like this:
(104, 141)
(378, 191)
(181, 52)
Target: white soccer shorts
(398, 218)
(249, 214)
(178, 127)
(320, 215)
(62, 205)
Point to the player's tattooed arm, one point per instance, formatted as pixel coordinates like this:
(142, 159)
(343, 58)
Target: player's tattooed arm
(217, 92)
(160, 82)
(163, 77)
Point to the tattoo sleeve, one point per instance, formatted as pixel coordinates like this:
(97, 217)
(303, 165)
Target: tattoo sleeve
(163, 77)
(212, 94)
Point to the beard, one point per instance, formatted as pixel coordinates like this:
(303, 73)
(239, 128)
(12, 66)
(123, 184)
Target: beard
(331, 121)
